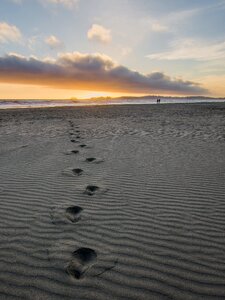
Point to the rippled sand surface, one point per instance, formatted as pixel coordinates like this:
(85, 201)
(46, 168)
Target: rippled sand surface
(120, 202)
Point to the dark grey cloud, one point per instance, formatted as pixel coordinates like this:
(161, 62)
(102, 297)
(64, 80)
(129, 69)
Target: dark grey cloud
(90, 72)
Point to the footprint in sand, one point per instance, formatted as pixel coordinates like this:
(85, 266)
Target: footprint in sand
(91, 159)
(61, 215)
(71, 172)
(83, 146)
(77, 171)
(70, 152)
(94, 160)
(74, 141)
(73, 213)
(75, 151)
(83, 260)
(91, 190)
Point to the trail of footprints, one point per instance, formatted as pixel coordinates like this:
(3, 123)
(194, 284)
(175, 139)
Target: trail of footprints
(82, 259)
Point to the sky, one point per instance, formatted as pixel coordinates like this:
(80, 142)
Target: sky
(56, 49)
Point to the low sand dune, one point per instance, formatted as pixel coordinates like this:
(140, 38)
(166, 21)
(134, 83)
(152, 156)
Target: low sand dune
(135, 210)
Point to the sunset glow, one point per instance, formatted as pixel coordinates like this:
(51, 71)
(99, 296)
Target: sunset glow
(77, 48)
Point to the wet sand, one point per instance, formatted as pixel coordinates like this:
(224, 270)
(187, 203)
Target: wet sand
(117, 202)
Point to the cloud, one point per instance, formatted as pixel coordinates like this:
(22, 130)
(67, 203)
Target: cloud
(9, 33)
(99, 33)
(157, 27)
(69, 4)
(66, 3)
(175, 18)
(32, 42)
(53, 42)
(96, 72)
(191, 49)
(126, 51)
(171, 21)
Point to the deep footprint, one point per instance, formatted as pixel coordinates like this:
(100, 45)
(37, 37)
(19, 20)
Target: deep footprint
(83, 260)
(73, 213)
(71, 152)
(77, 171)
(91, 189)
(83, 146)
(75, 151)
(74, 141)
(90, 159)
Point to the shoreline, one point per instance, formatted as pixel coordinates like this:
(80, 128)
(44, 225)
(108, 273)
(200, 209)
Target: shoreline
(111, 105)
(163, 102)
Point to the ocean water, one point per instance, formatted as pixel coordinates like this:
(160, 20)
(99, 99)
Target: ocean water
(10, 104)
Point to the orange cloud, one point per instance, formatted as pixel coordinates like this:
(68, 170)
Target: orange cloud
(96, 72)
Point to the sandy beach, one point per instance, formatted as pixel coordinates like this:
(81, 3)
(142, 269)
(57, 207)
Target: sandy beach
(113, 202)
